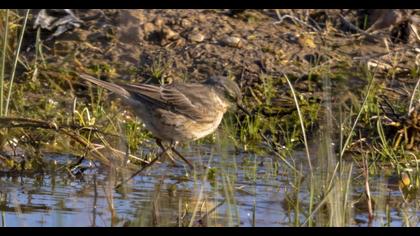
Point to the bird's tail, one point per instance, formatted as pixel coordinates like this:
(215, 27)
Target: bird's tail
(107, 85)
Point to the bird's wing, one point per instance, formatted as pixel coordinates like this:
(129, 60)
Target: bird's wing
(107, 85)
(168, 97)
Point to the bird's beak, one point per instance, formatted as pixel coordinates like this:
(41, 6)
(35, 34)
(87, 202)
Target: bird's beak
(240, 106)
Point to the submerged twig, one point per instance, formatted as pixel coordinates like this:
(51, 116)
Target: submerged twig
(211, 211)
(367, 189)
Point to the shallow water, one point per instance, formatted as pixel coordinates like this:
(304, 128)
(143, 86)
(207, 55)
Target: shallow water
(246, 191)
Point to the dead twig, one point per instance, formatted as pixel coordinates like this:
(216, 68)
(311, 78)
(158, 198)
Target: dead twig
(281, 18)
(357, 29)
(367, 189)
(19, 122)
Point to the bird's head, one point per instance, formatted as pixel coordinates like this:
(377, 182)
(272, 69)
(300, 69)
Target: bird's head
(228, 90)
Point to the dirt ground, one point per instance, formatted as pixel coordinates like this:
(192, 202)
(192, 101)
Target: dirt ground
(193, 44)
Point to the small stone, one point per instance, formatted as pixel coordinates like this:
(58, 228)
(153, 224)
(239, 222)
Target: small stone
(185, 23)
(98, 36)
(307, 41)
(226, 29)
(202, 18)
(158, 22)
(233, 41)
(76, 35)
(169, 33)
(196, 37)
(179, 42)
(208, 47)
(64, 47)
(148, 27)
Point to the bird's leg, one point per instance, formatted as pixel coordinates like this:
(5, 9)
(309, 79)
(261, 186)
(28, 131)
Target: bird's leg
(159, 143)
(179, 154)
(138, 172)
(164, 151)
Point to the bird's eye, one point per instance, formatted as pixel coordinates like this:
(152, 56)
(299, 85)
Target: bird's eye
(230, 95)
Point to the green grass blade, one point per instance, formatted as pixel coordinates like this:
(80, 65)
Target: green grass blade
(301, 122)
(15, 63)
(3, 62)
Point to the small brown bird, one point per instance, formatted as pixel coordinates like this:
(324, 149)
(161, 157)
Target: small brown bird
(178, 112)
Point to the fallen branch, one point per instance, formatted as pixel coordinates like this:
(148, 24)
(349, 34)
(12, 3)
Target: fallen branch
(18, 122)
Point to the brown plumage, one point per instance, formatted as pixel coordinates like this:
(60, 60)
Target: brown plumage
(178, 112)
